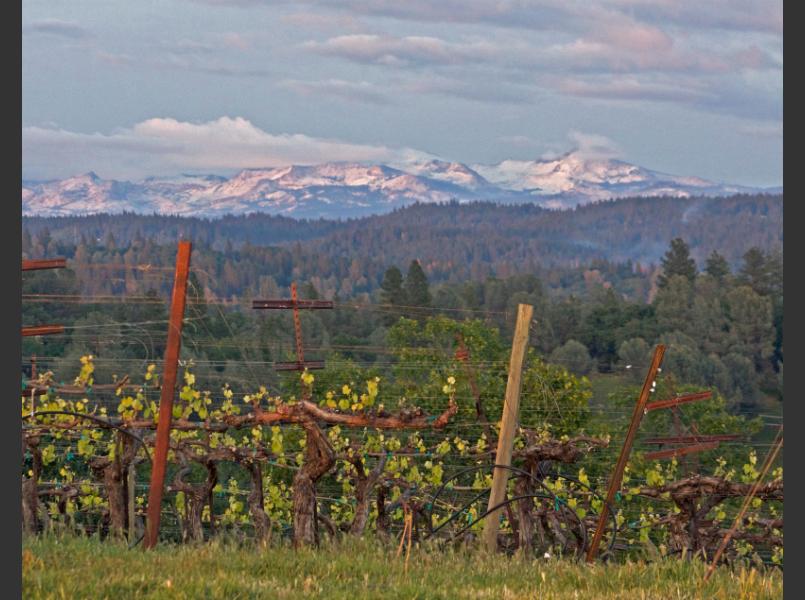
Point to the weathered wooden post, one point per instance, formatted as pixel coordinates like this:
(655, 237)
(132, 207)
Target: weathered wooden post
(511, 408)
(168, 391)
(131, 482)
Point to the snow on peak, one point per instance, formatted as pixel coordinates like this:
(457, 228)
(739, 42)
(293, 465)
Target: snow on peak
(568, 173)
(451, 172)
(341, 189)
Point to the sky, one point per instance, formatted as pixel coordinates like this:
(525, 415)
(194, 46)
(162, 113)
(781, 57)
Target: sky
(161, 87)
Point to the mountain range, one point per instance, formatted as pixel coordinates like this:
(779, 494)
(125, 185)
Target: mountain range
(341, 190)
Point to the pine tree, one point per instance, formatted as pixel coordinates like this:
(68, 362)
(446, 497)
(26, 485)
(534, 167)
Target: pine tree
(309, 291)
(111, 242)
(391, 292)
(415, 287)
(677, 261)
(44, 238)
(392, 286)
(717, 266)
(755, 271)
(26, 240)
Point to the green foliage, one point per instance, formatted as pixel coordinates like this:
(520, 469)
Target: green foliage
(677, 262)
(391, 292)
(717, 266)
(634, 355)
(573, 356)
(415, 287)
(555, 398)
(456, 243)
(425, 355)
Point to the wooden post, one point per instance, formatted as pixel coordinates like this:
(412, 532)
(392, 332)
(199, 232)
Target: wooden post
(168, 391)
(131, 483)
(511, 409)
(631, 433)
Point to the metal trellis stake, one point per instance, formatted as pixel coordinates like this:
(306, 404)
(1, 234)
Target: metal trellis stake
(297, 305)
(38, 265)
(620, 466)
(168, 391)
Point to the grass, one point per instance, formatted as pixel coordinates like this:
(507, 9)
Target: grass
(70, 567)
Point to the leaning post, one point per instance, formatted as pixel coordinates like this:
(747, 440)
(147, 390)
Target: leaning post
(631, 433)
(508, 427)
(167, 393)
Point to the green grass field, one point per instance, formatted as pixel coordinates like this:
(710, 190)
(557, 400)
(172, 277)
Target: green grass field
(73, 568)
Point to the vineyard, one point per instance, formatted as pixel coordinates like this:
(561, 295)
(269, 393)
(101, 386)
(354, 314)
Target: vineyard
(450, 440)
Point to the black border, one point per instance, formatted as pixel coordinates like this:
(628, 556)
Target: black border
(10, 440)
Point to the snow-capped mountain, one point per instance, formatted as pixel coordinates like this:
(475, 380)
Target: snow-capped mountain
(574, 179)
(336, 190)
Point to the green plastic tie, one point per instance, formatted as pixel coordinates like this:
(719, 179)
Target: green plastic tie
(556, 503)
(617, 496)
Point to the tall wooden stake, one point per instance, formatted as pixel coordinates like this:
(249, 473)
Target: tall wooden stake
(168, 391)
(511, 409)
(131, 482)
(620, 466)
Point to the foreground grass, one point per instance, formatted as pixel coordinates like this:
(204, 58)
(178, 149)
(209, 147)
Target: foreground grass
(69, 567)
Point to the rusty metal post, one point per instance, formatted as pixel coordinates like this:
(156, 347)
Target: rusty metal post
(672, 402)
(44, 263)
(296, 304)
(683, 451)
(42, 330)
(631, 433)
(297, 326)
(462, 355)
(767, 463)
(168, 391)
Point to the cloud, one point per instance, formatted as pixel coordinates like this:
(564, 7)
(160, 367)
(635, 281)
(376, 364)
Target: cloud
(475, 90)
(615, 46)
(740, 15)
(398, 51)
(211, 45)
(67, 29)
(339, 89)
(762, 130)
(627, 88)
(184, 56)
(590, 145)
(532, 14)
(232, 39)
(624, 46)
(745, 98)
(164, 146)
(521, 141)
(320, 22)
(765, 16)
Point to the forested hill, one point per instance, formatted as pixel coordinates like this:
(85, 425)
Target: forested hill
(454, 242)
